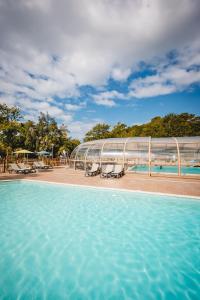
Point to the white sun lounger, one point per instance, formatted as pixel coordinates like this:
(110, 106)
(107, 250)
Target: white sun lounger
(93, 171)
(13, 167)
(44, 166)
(26, 167)
(118, 171)
(107, 171)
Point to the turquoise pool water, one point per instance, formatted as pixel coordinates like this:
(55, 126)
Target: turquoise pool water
(65, 242)
(166, 169)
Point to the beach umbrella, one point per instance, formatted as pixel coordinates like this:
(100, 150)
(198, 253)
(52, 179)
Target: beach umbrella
(23, 151)
(43, 152)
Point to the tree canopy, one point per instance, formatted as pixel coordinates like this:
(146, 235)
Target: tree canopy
(9, 127)
(45, 133)
(34, 136)
(183, 124)
(99, 131)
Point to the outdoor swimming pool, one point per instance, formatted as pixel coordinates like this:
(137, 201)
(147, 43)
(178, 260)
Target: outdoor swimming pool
(166, 169)
(68, 242)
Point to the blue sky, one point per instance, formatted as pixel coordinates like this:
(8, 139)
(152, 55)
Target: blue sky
(143, 110)
(88, 61)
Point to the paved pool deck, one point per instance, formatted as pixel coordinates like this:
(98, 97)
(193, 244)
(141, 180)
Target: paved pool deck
(189, 186)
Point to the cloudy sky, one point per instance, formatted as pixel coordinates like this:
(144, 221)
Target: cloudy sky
(87, 61)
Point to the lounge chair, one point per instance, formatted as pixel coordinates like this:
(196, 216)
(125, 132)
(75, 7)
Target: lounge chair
(15, 168)
(44, 166)
(118, 171)
(95, 169)
(107, 171)
(41, 166)
(26, 167)
(36, 165)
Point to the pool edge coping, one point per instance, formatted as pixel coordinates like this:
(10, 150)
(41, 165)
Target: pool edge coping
(105, 188)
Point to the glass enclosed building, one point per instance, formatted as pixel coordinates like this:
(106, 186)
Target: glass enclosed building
(177, 155)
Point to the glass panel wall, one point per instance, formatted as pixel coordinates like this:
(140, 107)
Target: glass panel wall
(93, 154)
(164, 157)
(80, 157)
(190, 158)
(112, 153)
(141, 155)
(72, 157)
(137, 156)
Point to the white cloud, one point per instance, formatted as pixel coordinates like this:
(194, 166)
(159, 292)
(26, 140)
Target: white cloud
(120, 75)
(50, 48)
(168, 79)
(32, 108)
(91, 37)
(104, 101)
(147, 91)
(107, 98)
(181, 77)
(75, 107)
(112, 94)
(79, 128)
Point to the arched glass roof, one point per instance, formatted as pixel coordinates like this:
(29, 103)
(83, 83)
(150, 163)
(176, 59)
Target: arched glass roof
(179, 151)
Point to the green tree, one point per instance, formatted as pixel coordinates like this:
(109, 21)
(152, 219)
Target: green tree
(181, 125)
(119, 130)
(9, 128)
(154, 128)
(69, 145)
(28, 135)
(48, 134)
(44, 134)
(99, 131)
(9, 114)
(135, 130)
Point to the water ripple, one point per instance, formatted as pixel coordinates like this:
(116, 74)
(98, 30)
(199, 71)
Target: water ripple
(61, 242)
